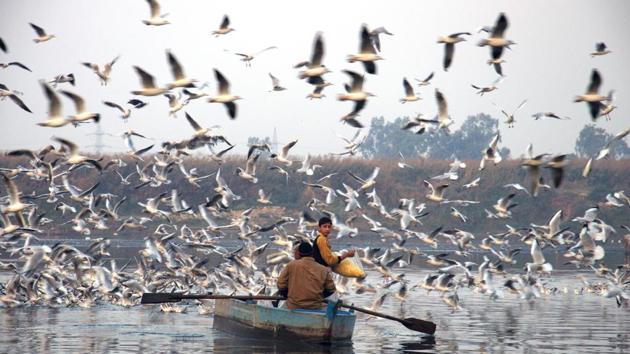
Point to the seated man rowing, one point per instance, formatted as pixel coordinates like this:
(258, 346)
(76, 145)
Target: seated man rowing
(304, 282)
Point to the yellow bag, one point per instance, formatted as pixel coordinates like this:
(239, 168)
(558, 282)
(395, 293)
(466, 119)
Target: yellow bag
(350, 267)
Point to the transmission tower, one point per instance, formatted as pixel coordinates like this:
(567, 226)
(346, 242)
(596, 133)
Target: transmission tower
(274, 141)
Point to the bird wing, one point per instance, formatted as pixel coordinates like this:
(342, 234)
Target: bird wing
(441, 101)
(500, 27)
(365, 42)
(192, 122)
(224, 85)
(72, 147)
(40, 31)
(79, 102)
(596, 81)
(274, 80)
(19, 102)
(357, 81)
(225, 22)
(318, 51)
(54, 105)
(449, 50)
(113, 105)
(176, 68)
(287, 147)
(146, 79)
(408, 88)
(17, 63)
(155, 8)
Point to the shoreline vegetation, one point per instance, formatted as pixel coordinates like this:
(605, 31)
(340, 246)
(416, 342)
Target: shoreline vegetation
(290, 197)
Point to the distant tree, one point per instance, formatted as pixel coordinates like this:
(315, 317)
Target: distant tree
(592, 139)
(386, 139)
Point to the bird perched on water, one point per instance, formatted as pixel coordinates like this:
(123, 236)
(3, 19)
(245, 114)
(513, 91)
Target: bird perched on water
(224, 96)
(449, 47)
(592, 97)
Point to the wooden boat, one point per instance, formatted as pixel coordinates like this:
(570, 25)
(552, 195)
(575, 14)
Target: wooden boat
(247, 318)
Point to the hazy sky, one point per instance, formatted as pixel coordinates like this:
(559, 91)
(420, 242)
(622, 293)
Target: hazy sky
(549, 65)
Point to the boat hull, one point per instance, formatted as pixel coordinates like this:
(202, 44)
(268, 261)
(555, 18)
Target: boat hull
(250, 319)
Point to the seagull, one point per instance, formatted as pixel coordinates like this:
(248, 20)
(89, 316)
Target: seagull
(491, 153)
(538, 260)
(532, 164)
(592, 97)
(603, 153)
(263, 198)
(503, 206)
(82, 114)
(14, 63)
(437, 194)
(458, 215)
(174, 104)
(556, 164)
(368, 182)
(374, 36)
(55, 119)
(199, 131)
(444, 119)
(126, 112)
(15, 205)
(496, 64)
(307, 166)
(284, 153)
(539, 115)
(510, 120)
(276, 84)
(449, 47)
(250, 169)
(426, 81)
(59, 79)
(487, 89)
(5, 92)
(367, 53)
(331, 195)
(41, 34)
(281, 171)
(606, 109)
(148, 84)
(178, 73)
(107, 69)
(247, 58)
(73, 157)
(410, 96)
(224, 95)
(600, 49)
(156, 18)
(401, 163)
(354, 93)
(314, 68)
(224, 28)
(496, 40)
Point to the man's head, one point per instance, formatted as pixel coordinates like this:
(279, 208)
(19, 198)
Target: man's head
(304, 249)
(325, 225)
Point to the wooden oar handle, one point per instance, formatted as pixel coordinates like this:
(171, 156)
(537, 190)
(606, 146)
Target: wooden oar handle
(370, 312)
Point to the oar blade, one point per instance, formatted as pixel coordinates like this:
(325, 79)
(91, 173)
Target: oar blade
(159, 298)
(419, 325)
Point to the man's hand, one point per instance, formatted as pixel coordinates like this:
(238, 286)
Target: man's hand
(347, 254)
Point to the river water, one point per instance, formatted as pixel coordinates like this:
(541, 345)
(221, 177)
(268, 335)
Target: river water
(566, 322)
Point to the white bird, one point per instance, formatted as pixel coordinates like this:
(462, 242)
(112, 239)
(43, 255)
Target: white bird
(82, 114)
(282, 157)
(538, 263)
(592, 97)
(247, 58)
(367, 53)
(224, 28)
(510, 120)
(148, 84)
(42, 36)
(178, 73)
(156, 19)
(224, 95)
(55, 119)
(410, 96)
(103, 75)
(275, 82)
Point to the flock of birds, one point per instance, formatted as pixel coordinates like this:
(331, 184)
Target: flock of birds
(176, 257)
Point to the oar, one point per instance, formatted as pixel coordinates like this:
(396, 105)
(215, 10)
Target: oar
(413, 324)
(158, 298)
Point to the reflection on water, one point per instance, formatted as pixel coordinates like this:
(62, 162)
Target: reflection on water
(565, 322)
